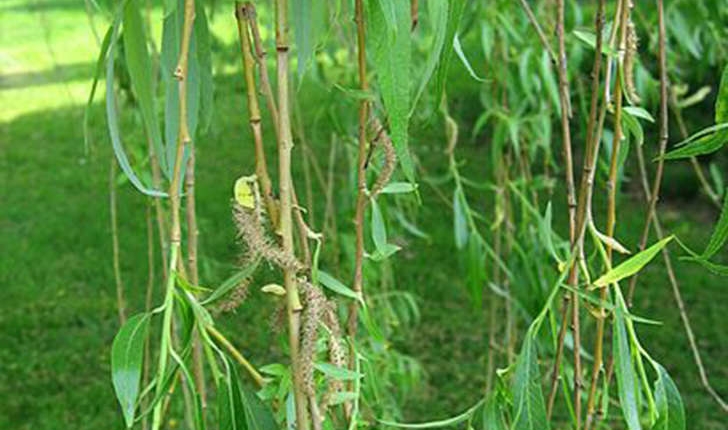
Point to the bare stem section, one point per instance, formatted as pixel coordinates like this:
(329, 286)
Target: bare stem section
(285, 144)
(361, 197)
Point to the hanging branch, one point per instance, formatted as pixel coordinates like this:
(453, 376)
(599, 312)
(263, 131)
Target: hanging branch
(243, 15)
(361, 197)
(183, 139)
(652, 196)
(565, 106)
(192, 268)
(285, 144)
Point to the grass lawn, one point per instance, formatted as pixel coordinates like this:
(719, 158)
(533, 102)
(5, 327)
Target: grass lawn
(57, 305)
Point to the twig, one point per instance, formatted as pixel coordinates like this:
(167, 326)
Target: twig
(541, 35)
(285, 143)
(361, 198)
(237, 355)
(120, 302)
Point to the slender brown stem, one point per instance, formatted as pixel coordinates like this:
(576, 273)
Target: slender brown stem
(536, 26)
(120, 301)
(260, 57)
(565, 106)
(192, 269)
(285, 144)
(654, 194)
(361, 198)
(244, 14)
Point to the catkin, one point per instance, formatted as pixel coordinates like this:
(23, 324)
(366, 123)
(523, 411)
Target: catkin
(630, 59)
(314, 305)
(337, 352)
(251, 231)
(234, 299)
(381, 138)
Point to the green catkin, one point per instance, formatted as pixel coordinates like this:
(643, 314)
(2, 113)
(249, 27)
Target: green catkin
(314, 306)
(630, 58)
(250, 230)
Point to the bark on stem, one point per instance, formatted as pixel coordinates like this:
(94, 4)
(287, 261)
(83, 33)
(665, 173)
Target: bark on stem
(361, 198)
(120, 301)
(285, 143)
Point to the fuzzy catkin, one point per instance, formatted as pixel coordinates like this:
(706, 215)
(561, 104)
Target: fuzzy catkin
(630, 59)
(251, 231)
(382, 139)
(234, 299)
(314, 305)
(337, 352)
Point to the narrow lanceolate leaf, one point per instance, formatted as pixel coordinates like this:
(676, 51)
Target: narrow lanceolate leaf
(392, 61)
(139, 64)
(257, 415)
(720, 234)
(127, 353)
(669, 403)
(204, 57)
(454, 13)
(438, 13)
(529, 409)
(337, 286)
(112, 119)
(704, 142)
(624, 371)
(232, 282)
(460, 219)
(231, 414)
(379, 229)
(97, 75)
(721, 103)
(632, 265)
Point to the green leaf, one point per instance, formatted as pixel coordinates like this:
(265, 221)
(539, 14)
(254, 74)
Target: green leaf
(379, 229)
(204, 58)
(460, 218)
(199, 421)
(529, 408)
(127, 353)
(392, 57)
(139, 65)
(398, 188)
(257, 414)
(337, 286)
(669, 403)
(438, 13)
(721, 103)
(639, 112)
(493, 414)
(632, 265)
(103, 52)
(624, 371)
(461, 55)
(112, 119)
(704, 142)
(336, 372)
(590, 39)
(454, 14)
(719, 236)
(230, 404)
(232, 282)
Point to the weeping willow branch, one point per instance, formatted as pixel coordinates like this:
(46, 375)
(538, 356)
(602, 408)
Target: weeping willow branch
(243, 14)
(183, 139)
(361, 198)
(565, 106)
(237, 355)
(120, 301)
(285, 143)
(192, 267)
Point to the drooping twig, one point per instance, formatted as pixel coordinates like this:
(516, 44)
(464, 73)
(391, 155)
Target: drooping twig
(285, 144)
(361, 197)
(120, 301)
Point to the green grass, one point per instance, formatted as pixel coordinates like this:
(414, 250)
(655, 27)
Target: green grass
(57, 313)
